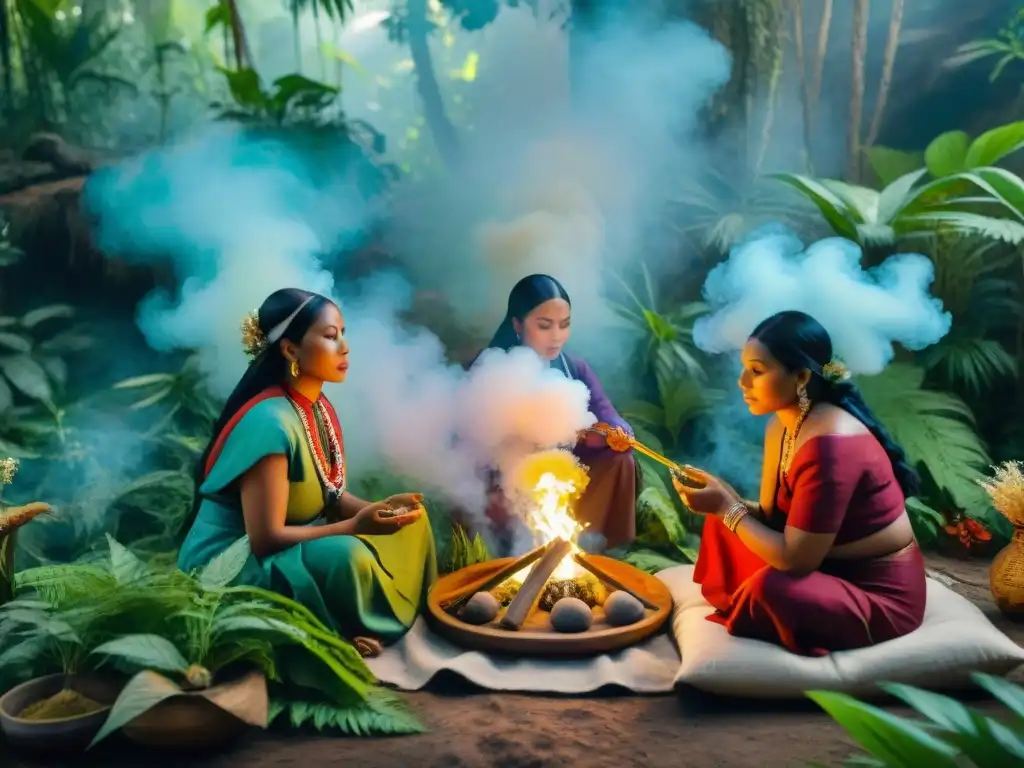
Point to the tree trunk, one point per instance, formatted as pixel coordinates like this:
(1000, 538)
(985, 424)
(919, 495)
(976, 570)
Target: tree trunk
(824, 27)
(853, 129)
(892, 43)
(445, 137)
(6, 42)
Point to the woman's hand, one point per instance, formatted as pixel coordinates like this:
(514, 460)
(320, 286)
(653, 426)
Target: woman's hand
(714, 496)
(369, 522)
(407, 500)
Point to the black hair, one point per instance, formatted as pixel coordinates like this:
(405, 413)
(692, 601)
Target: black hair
(528, 294)
(267, 369)
(799, 342)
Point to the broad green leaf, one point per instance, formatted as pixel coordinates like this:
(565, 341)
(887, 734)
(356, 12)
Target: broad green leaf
(992, 146)
(24, 654)
(658, 519)
(141, 694)
(1007, 187)
(947, 153)
(124, 565)
(966, 729)
(895, 741)
(226, 566)
(862, 203)
(892, 199)
(147, 380)
(34, 317)
(27, 376)
(891, 164)
(833, 209)
(1010, 694)
(151, 652)
(6, 396)
(15, 343)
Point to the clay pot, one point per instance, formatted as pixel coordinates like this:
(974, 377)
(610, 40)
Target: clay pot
(1006, 577)
(204, 719)
(61, 735)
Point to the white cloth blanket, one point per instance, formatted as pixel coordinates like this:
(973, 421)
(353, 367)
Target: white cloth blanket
(956, 639)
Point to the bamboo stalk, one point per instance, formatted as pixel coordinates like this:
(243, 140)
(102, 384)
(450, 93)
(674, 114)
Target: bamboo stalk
(455, 604)
(526, 598)
(612, 582)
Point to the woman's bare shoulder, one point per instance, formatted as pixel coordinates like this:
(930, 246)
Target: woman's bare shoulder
(828, 419)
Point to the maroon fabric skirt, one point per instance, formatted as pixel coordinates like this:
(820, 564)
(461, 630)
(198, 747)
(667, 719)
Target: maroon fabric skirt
(845, 604)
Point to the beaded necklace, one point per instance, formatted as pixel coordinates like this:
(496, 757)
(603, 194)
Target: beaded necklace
(331, 469)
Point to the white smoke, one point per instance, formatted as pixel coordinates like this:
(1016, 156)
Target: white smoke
(864, 311)
(570, 192)
(564, 191)
(237, 231)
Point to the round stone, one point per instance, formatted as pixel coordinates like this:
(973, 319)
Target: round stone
(621, 608)
(481, 608)
(570, 614)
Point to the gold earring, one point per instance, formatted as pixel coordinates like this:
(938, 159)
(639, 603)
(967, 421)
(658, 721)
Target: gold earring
(803, 401)
(294, 369)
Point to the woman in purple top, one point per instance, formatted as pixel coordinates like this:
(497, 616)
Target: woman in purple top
(539, 317)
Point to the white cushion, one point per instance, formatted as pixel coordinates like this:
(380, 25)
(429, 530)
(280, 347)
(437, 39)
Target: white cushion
(955, 639)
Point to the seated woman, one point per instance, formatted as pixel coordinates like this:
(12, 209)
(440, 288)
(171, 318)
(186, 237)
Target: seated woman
(275, 470)
(539, 317)
(827, 560)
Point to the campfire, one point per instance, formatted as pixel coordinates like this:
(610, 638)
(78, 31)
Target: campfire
(556, 586)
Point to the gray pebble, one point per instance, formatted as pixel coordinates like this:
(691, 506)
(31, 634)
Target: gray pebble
(570, 614)
(481, 608)
(621, 608)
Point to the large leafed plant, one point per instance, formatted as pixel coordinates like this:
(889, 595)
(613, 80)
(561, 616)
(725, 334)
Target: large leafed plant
(171, 632)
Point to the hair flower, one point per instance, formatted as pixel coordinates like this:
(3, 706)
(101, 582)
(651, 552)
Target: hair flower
(835, 371)
(254, 340)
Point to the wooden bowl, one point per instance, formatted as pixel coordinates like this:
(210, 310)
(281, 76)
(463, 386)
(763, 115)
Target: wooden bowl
(61, 735)
(537, 638)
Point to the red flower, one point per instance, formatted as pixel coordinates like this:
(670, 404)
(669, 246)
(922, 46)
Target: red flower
(968, 531)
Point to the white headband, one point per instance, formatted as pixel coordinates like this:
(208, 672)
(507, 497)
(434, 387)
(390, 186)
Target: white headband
(274, 334)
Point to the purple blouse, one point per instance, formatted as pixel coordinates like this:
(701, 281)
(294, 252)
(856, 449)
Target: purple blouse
(600, 406)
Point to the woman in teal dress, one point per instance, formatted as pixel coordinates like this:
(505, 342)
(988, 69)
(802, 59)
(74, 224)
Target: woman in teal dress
(275, 471)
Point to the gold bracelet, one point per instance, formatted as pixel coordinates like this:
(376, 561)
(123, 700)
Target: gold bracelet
(736, 513)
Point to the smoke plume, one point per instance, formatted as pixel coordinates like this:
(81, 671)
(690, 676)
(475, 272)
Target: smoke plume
(568, 191)
(236, 230)
(865, 311)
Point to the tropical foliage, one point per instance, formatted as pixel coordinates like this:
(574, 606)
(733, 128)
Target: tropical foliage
(168, 631)
(951, 734)
(956, 407)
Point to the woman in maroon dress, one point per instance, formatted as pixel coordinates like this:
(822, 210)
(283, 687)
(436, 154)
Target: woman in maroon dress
(826, 560)
(539, 316)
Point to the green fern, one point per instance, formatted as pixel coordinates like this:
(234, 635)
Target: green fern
(463, 551)
(936, 429)
(383, 713)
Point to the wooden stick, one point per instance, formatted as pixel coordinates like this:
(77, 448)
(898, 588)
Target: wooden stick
(583, 562)
(454, 604)
(636, 445)
(526, 598)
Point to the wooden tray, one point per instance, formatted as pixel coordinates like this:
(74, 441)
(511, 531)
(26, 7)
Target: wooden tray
(537, 638)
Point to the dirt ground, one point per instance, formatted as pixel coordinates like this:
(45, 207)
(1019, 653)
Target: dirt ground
(471, 729)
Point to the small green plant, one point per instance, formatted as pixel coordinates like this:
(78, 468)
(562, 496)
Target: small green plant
(952, 734)
(172, 632)
(462, 551)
